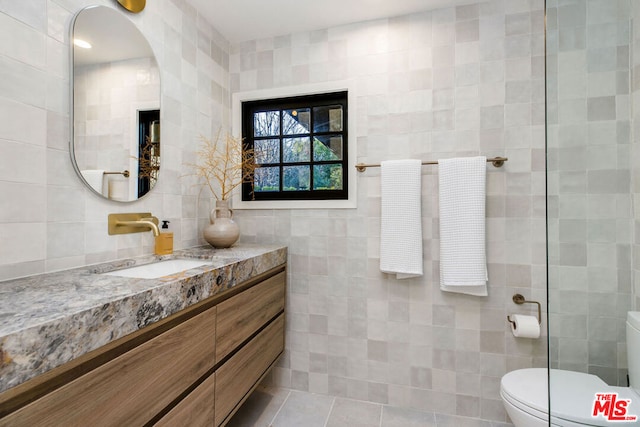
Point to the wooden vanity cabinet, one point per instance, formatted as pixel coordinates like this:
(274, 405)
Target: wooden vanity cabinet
(244, 314)
(237, 377)
(194, 368)
(132, 388)
(249, 340)
(196, 409)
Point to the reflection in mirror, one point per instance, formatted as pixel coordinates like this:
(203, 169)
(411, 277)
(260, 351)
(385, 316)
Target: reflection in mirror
(115, 144)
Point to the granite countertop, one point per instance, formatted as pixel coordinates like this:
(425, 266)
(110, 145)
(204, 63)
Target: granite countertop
(50, 319)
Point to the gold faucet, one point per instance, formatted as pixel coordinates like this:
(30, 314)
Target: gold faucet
(133, 223)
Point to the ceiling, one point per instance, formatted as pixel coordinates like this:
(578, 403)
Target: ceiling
(112, 35)
(242, 20)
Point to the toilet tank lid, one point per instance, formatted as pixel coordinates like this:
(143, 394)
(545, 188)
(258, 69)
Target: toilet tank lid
(633, 317)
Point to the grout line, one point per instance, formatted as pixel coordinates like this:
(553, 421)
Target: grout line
(280, 408)
(333, 402)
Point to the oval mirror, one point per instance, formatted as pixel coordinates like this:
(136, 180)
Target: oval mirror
(115, 105)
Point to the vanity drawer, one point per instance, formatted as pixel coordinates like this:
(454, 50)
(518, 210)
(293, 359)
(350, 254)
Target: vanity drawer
(242, 315)
(132, 388)
(238, 375)
(194, 410)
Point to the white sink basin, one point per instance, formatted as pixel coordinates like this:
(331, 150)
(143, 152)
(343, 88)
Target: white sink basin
(158, 269)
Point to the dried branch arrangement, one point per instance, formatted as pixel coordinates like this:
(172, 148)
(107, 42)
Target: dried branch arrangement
(149, 164)
(223, 161)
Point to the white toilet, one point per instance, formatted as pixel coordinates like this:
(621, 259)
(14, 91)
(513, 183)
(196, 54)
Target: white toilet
(525, 393)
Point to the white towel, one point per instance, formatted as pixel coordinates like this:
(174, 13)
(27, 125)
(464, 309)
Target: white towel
(463, 259)
(119, 190)
(95, 178)
(401, 218)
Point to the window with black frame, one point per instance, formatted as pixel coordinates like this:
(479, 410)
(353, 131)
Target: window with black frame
(299, 145)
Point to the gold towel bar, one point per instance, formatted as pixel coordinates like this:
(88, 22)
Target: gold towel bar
(124, 172)
(496, 161)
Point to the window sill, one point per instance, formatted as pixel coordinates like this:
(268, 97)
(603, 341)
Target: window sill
(238, 203)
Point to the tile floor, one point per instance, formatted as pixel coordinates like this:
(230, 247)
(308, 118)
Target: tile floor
(280, 407)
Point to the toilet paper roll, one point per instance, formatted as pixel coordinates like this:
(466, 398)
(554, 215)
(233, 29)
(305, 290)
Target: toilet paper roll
(524, 326)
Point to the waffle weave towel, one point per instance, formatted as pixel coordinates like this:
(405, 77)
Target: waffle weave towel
(463, 260)
(401, 218)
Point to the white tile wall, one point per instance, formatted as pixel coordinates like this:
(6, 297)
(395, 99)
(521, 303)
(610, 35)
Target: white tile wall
(48, 220)
(454, 82)
(591, 215)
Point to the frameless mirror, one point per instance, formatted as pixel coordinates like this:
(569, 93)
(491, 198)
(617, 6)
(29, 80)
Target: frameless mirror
(115, 98)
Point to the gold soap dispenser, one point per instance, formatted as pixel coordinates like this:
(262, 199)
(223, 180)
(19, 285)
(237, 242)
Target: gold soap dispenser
(164, 241)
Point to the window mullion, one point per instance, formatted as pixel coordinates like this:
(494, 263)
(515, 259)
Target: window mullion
(281, 139)
(312, 120)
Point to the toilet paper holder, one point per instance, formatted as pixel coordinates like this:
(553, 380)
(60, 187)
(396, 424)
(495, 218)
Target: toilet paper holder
(519, 299)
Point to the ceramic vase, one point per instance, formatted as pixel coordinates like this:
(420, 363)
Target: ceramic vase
(222, 232)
